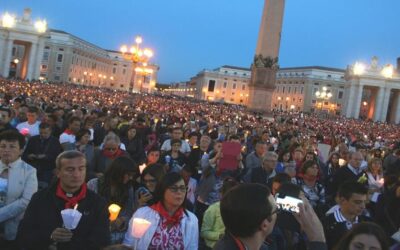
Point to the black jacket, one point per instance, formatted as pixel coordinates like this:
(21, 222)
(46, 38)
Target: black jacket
(51, 147)
(43, 215)
(341, 176)
(227, 242)
(334, 230)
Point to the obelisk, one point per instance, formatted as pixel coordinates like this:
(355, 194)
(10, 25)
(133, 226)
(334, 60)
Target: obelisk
(265, 64)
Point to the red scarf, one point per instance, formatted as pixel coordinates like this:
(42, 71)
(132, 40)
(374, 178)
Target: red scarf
(68, 131)
(71, 201)
(113, 155)
(170, 220)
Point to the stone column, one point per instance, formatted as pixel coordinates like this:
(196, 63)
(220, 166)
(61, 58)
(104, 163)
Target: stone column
(378, 104)
(357, 104)
(7, 57)
(31, 61)
(396, 109)
(39, 57)
(350, 100)
(265, 65)
(2, 52)
(385, 104)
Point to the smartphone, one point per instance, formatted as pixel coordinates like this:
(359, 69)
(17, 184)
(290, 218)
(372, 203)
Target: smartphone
(288, 203)
(143, 191)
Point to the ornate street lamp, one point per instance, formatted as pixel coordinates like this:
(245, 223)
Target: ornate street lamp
(137, 56)
(323, 95)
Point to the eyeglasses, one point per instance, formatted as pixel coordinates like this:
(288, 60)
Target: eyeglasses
(175, 189)
(176, 145)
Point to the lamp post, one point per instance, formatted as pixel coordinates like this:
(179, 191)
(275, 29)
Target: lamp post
(137, 56)
(323, 95)
(287, 102)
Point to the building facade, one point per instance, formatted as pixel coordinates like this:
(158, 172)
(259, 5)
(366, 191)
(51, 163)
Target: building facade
(57, 56)
(296, 88)
(373, 92)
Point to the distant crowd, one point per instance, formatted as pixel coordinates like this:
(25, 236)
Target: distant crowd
(204, 175)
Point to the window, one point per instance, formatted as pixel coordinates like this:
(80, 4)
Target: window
(14, 51)
(283, 90)
(243, 87)
(233, 93)
(58, 68)
(295, 90)
(57, 78)
(211, 85)
(289, 89)
(61, 49)
(46, 56)
(44, 66)
(232, 99)
(234, 86)
(340, 95)
(313, 101)
(302, 89)
(121, 85)
(315, 90)
(114, 70)
(225, 84)
(316, 83)
(123, 71)
(300, 100)
(59, 58)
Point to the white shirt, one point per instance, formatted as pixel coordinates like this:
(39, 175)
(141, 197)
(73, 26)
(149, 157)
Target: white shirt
(67, 138)
(192, 185)
(33, 129)
(340, 218)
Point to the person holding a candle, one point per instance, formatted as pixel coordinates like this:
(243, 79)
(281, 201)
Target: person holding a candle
(172, 226)
(18, 182)
(117, 187)
(42, 225)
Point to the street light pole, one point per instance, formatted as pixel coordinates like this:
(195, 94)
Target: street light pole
(137, 56)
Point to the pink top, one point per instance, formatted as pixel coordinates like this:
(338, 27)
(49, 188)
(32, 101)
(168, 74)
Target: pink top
(167, 237)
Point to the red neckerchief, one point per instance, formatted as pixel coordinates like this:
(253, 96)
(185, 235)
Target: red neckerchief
(238, 243)
(68, 131)
(114, 155)
(170, 220)
(71, 201)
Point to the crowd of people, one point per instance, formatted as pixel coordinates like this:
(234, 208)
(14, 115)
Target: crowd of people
(205, 175)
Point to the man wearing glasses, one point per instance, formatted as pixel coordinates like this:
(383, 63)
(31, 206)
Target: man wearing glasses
(249, 219)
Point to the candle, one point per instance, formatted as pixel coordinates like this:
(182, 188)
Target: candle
(114, 211)
(139, 227)
(142, 167)
(25, 131)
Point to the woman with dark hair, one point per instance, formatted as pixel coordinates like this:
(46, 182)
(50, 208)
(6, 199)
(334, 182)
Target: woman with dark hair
(365, 235)
(313, 189)
(387, 209)
(134, 145)
(117, 187)
(82, 145)
(174, 159)
(333, 164)
(172, 226)
(283, 161)
(150, 177)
